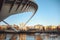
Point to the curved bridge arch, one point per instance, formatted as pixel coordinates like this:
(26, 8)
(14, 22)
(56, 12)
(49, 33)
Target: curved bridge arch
(11, 7)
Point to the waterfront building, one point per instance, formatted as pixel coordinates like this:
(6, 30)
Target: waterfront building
(39, 27)
(58, 27)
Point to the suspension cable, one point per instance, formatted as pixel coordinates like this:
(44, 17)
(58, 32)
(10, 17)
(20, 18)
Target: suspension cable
(10, 26)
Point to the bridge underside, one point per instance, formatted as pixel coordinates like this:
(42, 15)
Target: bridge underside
(10, 7)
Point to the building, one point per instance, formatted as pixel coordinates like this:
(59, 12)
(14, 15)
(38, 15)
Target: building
(39, 27)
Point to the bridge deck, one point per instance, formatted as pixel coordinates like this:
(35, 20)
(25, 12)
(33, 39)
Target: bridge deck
(13, 32)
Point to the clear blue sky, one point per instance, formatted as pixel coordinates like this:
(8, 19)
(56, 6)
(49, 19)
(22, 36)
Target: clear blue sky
(48, 13)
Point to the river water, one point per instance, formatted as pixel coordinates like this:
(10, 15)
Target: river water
(31, 37)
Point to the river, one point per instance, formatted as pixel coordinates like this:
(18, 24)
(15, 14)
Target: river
(36, 36)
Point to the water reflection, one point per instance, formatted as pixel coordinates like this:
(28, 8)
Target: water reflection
(22, 36)
(38, 37)
(2, 36)
(29, 37)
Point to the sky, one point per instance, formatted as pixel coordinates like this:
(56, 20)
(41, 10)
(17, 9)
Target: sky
(48, 13)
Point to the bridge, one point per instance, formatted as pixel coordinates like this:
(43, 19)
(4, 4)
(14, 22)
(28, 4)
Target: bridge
(28, 32)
